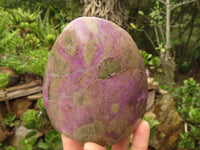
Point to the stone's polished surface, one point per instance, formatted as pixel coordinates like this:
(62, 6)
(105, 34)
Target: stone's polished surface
(95, 86)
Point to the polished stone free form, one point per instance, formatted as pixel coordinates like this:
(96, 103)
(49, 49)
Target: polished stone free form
(95, 83)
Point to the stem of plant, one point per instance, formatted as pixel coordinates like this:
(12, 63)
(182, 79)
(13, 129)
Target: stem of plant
(168, 44)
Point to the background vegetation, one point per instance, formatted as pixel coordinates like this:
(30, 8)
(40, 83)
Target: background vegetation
(28, 30)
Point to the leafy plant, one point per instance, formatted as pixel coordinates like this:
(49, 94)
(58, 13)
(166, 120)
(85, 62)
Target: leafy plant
(3, 21)
(37, 61)
(35, 120)
(38, 121)
(43, 122)
(4, 80)
(185, 67)
(151, 62)
(41, 106)
(186, 141)
(45, 30)
(9, 148)
(20, 46)
(52, 141)
(9, 120)
(22, 18)
(187, 99)
(30, 119)
(31, 40)
(153, 123)
(28, 143)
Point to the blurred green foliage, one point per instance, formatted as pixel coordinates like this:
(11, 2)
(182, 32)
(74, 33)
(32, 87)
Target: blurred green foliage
(9, 148)
(52, 141)
(4, 80)
(153, 123)
(28, 33)
(10, 120)
(151, 62)
(38, 122)
(21, 46)
(187, 99)
(149, 20)
(34, 119)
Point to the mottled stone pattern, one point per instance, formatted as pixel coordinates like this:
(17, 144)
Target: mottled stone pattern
(95, 83)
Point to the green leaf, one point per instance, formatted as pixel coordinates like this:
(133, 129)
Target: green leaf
(52, 136)
(9, 120)
(131, 138)
(29, 147)
(141, 12)
(31, 133)
(27, 143)
(153, 14)
(159, 70)
(195, 132)
(43, 145)
(186, 141)
(149, 56)
(9, 148)
(41, 106)
(30, 118)
(109, 148)
(152, 67)
(148, 119)
(4, 80)
(154, 123)
(16, 123)
(194, 115)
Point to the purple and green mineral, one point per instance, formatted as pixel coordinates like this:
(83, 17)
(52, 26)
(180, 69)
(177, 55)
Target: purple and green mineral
(95, 83)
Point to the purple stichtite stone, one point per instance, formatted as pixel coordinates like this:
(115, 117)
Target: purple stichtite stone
(95, 83)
